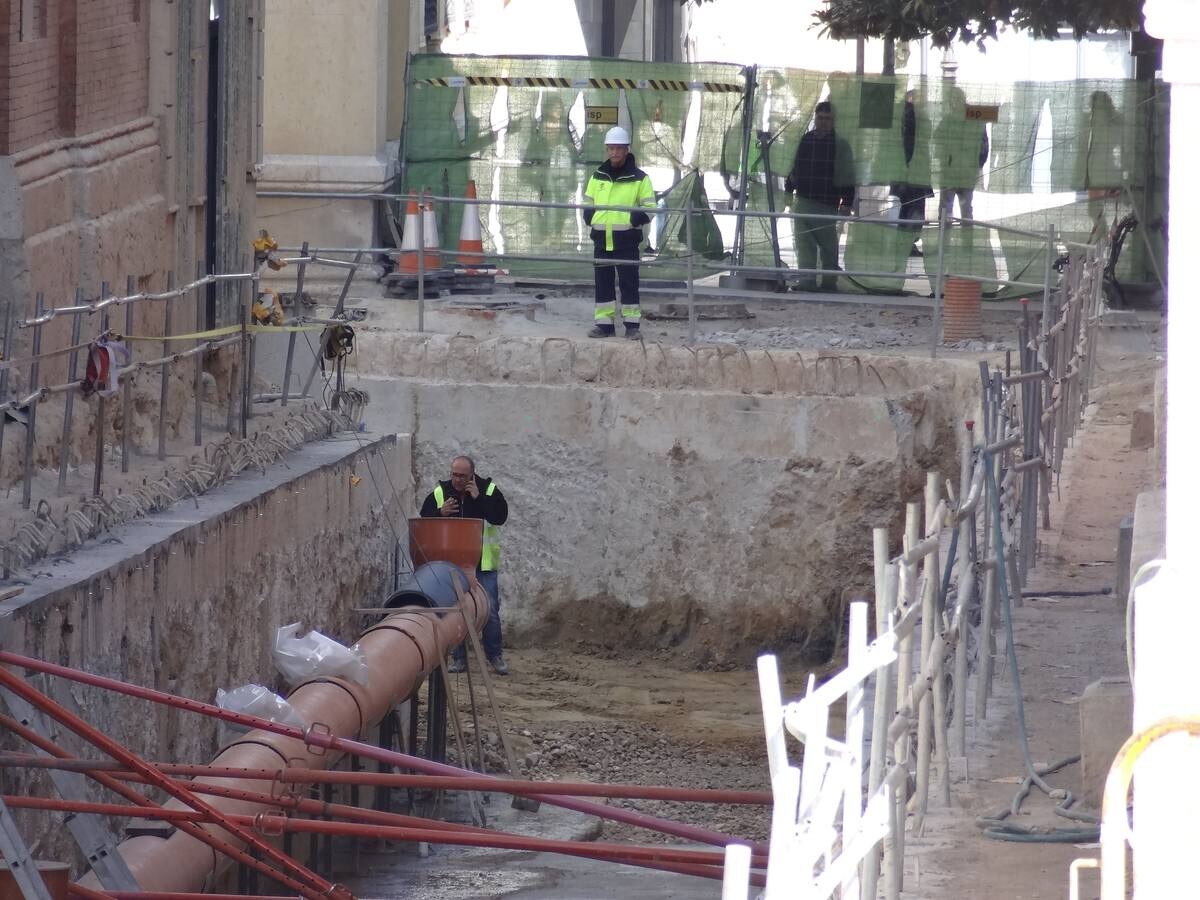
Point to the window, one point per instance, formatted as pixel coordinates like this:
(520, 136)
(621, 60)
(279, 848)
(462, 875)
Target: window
(32, 26)
(666, 31)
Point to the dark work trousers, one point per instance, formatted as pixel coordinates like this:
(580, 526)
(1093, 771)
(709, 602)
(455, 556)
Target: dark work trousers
(607, 278)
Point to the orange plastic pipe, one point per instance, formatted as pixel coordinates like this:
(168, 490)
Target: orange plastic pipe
(399, 651)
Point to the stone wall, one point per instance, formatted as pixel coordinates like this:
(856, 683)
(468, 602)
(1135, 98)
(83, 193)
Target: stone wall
(188, 601)
(716, 501)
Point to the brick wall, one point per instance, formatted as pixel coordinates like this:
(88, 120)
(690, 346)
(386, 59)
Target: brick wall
(5, 38)
(70, 67)
(112, 59)
(29, 89)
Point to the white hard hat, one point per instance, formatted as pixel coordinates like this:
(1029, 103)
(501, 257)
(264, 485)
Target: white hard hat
(617, 135)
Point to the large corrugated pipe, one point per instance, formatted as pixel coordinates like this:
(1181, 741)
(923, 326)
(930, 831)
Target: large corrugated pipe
(400, 651)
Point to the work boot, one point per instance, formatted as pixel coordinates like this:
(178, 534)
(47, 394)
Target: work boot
(456, 665)
(498, 665)
(602, 331)
(633, 332)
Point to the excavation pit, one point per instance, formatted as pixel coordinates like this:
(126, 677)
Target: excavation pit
(704, 502)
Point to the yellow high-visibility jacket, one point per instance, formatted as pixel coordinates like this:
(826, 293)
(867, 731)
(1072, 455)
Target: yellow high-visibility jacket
(628, 186)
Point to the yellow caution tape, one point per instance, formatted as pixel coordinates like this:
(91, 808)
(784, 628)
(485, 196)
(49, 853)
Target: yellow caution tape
(222, 332)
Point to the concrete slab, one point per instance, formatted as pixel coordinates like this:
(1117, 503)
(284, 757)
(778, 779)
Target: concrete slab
(1105, 723)
(1149, 530)
(445, 872)
(142, 535)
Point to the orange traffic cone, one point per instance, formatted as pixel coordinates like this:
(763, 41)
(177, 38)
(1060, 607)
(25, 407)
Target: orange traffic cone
(408, 245)
(470, 236)
(433, 244)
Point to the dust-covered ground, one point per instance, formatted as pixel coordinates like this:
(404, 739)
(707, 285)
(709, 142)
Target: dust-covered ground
(574, 715)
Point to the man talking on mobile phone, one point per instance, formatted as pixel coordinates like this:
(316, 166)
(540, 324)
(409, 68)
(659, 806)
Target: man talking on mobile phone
(470, 496)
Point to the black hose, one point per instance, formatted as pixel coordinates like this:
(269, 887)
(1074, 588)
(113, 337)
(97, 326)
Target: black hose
(1100, 593)
(996, 827)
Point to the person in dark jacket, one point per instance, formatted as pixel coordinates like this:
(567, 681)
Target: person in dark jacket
(617, 234)
(470, 496)
(912, 196)
(822, 178)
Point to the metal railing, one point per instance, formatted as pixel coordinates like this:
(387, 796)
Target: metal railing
(955, 582)
(696, 267)
(60, 529)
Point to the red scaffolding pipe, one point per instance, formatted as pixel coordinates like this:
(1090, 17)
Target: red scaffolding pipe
(271, 824)
(316, 737)
(299, 874)
(440, 782)
(114, 785)
(78, 890)
(320, 808)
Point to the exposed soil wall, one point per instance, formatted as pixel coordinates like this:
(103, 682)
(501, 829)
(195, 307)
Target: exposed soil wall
(711, 502)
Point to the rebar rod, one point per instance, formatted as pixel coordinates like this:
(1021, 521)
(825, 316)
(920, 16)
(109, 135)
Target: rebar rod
(64, 450)
(267, 823)
(98, 473)
(436, 782)
(127, 387)
(330, 742)
(198, 376)
(31, 413)
(166, 375)
(22, 688)
(291, 348)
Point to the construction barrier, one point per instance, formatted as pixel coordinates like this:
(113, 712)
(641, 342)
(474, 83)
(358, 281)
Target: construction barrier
(958, 576)
(1073, 155)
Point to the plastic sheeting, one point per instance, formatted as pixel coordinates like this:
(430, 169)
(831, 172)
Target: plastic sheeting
(520, 128)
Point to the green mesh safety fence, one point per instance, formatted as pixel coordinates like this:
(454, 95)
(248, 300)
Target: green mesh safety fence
(1077, 156)
(519, 127)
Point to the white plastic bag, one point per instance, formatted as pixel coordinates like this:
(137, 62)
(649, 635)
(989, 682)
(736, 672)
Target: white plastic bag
(301, 657)
(255, 700)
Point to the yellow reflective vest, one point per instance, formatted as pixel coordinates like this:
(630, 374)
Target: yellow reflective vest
(628, 187)
(490, 561)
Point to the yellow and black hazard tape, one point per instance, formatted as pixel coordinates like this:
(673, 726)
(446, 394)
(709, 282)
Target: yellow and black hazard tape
(222, 332)
(553, 81)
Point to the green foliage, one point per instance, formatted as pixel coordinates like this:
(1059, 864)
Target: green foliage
(970, 21)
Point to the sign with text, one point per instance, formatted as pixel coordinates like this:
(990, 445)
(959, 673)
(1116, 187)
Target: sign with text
(602, 115)
(977, 113)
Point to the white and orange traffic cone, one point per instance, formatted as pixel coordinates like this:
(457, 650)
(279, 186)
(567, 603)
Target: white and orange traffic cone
(473, 275)
(406, 281)
(470, 236)
(433, 244)
(408, 244)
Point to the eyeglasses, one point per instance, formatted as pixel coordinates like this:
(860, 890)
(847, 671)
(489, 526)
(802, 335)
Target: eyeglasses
(460, 474)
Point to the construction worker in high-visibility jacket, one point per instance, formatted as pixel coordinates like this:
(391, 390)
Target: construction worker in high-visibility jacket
(617, 234)
(471, 496)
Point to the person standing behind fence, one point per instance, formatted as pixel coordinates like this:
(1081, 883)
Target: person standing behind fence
(822, 178)
(911, 195)
(617, 234)
(962, 147)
